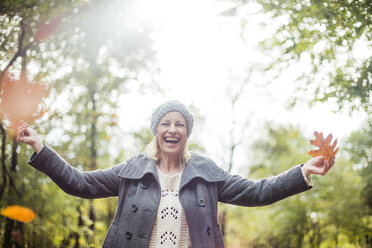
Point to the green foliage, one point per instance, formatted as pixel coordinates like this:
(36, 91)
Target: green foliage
(328, 33)
(332, 214)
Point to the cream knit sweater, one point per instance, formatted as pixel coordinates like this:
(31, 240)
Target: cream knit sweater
(170, 227)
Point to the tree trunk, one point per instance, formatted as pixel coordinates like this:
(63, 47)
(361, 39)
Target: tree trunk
(3, 158)
(300, 239)
(14, 154)
(77, 236)
(92, 215)
(13, 167)
(232, 151)
(80, 225)
(319, 240)
(8, 233)
(222, 221)
(66, 241)
(19, 235)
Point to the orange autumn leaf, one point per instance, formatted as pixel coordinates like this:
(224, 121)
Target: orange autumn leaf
(326, 150)
(19, 213)
(21, 99)
(45, 30)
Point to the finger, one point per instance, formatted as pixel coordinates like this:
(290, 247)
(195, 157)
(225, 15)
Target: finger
(20, 138)
(328, 165)
(320, 160)
(21, 122)
(325, 167)
(23, 139)
(331, 164)
(19, 134)
(333, 161)
(22, 131)
(322, 171)
(22, 126)
(317, 161)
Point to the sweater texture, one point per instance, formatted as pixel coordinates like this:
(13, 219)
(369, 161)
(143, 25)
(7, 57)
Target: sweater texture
(170, 227)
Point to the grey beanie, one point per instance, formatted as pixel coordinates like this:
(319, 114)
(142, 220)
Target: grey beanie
(171, 106)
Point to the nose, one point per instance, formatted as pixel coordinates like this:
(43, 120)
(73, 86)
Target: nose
(172, 128)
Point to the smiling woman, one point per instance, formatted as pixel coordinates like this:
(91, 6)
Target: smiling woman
(171, 125)
(168, 197)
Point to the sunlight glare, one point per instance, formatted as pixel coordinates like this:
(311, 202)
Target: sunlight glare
(157, 13)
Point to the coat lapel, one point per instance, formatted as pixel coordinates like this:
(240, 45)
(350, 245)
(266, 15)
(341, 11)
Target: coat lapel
(201, 167)
(138, 166)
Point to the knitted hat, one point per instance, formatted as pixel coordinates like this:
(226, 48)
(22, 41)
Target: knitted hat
(171, 106)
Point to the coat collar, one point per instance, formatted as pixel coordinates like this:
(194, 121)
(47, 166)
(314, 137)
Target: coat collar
(201, 167)
(197, 167)
(138, 166)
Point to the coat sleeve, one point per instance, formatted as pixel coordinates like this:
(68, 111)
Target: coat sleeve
(94, 184)
(241, 191)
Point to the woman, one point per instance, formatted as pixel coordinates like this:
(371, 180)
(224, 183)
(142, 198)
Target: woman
(168, 196)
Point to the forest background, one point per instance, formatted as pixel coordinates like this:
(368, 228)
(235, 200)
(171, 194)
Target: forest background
(105, 65)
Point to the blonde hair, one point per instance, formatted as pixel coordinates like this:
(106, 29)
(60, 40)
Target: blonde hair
(153, 151)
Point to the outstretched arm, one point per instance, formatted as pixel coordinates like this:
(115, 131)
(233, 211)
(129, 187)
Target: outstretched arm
(93, 184)
(245, 192)
(241, 191)
(85, 184)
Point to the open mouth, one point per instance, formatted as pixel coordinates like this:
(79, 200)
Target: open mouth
(171, 140)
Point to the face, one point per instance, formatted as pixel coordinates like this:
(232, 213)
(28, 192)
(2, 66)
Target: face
(172, 133)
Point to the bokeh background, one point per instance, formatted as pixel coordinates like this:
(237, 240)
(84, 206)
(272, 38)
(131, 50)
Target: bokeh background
(260, 77)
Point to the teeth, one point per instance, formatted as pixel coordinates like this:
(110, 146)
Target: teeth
(171, 139)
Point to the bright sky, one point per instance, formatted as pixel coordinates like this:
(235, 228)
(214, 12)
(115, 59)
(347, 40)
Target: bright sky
(200, 55)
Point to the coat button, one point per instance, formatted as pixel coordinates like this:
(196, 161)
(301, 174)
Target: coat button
(134, 208)
(128, 235)
(140, 155)
(144, 185)
(208, 230)
(201, 203)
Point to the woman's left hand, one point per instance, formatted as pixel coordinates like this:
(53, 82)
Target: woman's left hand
(317, 165)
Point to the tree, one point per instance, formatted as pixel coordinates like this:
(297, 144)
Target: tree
(87, 53)
(326, 33)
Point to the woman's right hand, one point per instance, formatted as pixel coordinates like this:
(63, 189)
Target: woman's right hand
(28, 136)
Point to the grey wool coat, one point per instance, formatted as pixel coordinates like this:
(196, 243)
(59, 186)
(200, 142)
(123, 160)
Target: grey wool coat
(135, 182)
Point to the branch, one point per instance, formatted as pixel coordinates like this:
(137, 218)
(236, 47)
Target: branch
(12, 185)
(20, 52)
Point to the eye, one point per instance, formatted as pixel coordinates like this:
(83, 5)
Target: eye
(164, 124)
(180, 125)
